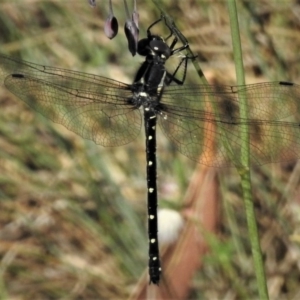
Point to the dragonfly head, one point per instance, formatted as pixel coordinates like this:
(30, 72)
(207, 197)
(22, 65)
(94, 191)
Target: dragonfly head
(154, 45)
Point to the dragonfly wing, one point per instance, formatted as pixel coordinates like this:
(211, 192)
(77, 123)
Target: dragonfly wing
(206, 120)
(99, 111)
(192, 137)
(10, 65)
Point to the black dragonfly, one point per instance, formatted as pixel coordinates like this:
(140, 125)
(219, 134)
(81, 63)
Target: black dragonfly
(197, 119)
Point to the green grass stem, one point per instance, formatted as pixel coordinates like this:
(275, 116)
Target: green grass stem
(244, 170)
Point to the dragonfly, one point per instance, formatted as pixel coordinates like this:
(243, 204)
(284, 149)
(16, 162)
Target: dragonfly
(197, 119)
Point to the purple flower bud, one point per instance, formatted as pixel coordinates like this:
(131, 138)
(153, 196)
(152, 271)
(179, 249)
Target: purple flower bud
(132, 35)
(132, 29)
(111, 26)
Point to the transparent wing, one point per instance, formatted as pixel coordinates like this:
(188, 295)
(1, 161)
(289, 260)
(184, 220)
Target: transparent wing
(94, 107)
(201, 120)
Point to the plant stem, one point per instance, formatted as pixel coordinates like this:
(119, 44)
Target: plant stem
(243, 167)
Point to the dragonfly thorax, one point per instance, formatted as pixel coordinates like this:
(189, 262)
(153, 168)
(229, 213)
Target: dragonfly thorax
(146, 97)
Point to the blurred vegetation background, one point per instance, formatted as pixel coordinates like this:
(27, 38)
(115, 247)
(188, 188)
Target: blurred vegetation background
(73, 214)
